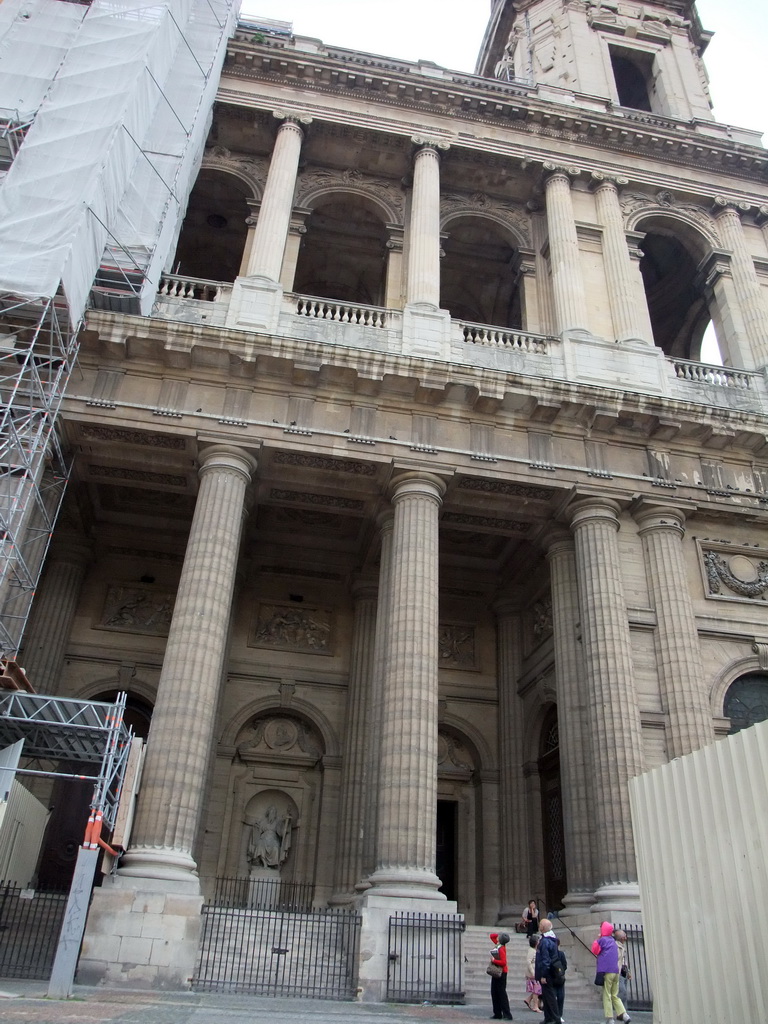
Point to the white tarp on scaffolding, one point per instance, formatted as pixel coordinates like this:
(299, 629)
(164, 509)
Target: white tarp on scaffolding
(110, 157)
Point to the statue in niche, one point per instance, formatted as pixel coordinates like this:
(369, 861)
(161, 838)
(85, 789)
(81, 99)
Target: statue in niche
(270, 840)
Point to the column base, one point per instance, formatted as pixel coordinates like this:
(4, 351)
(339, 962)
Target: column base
(160, 863)
(404, 884)
(426, 331)
(576, 903)
(376, 911)
(255, 304)
(617, 896)
(141, 936)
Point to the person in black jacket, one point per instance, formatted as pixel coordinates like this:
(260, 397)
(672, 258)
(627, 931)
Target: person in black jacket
(549, 968)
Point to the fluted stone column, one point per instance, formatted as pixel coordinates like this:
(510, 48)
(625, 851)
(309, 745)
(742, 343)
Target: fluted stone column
(567, 280)
(619, 273)
(180, 737)
(749, 292)
(354, 784)
(53, 611)
(514, 878)
(250, 222)
(374, 711)
(614, 720)
(268, 245)
(576, 757)
(678, 653)
(424, 228)
(405, 852)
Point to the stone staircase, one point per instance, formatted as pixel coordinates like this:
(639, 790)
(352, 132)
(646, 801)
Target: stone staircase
(580, 992)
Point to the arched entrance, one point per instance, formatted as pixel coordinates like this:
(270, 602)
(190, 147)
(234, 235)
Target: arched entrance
(555, 877)
(459, 816)
(70, 803)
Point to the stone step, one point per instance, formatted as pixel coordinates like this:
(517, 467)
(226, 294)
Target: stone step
(580, 991)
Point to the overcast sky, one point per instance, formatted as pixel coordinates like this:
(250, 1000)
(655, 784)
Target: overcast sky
(450, 34)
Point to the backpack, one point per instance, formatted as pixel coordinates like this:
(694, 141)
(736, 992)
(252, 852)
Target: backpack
(558, 968)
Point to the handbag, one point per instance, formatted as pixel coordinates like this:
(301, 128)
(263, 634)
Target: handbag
(494, 970)
(600, 978)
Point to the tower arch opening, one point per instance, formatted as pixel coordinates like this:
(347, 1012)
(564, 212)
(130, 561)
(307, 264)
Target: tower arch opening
(343, 254)
(213, 234)
(480, 274)
(680, 310)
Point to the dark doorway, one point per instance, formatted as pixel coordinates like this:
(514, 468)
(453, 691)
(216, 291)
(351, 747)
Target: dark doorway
(555, 879)
(445, 847)
(70, 805)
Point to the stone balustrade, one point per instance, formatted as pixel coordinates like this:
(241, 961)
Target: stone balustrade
(477, 334)
(333, 322)
(341, 312)
(720, 376)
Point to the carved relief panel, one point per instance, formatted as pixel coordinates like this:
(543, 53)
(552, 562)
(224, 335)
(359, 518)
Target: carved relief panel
(137, 609)
(290, 627)
(734, 573)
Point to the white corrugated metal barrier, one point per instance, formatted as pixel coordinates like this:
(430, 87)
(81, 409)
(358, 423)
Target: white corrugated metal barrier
(701, 835)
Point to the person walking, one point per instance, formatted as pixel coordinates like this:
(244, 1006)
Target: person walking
(532, 987)
(549, 968)
(499, 997)
(607, 953)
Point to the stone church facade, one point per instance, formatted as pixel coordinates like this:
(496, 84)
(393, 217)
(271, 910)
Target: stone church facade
(412, 518)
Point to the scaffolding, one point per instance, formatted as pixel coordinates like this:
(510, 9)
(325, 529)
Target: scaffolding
(82, 731)
(111, 107)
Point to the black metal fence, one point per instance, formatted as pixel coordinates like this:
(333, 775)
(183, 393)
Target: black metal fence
(30, 922)
(425, 958)
(312, 954)
(258, 894)
(639, 995)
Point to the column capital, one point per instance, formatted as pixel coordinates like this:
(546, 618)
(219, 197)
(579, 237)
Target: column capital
(761, 216)
(551, 172)
(289, 118)
(227, 457)
(593, 510)
(610, 183)
(554, 539)
(424, 143)
(725, 204)
(415, 482)
(651, 516)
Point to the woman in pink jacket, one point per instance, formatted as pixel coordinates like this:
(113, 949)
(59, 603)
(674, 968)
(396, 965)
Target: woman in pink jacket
(607, 953)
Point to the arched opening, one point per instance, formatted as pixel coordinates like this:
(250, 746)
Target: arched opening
(677, 306)
(746, 701)
(632, 71)
(70, 803)
(479, 274)
(555, 877)
(343, 254)
(213, 234)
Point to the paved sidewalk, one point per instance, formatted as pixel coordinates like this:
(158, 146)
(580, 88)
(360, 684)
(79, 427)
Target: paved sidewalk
(25, 1003)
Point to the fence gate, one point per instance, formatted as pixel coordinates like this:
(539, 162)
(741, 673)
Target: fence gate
(251, 945)
(425, 958)
(639, 995)
(30, 922)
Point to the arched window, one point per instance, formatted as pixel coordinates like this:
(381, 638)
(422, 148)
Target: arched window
(479, 275)
(213, 234)
(746, 701)
(344, 253)
(687, 317)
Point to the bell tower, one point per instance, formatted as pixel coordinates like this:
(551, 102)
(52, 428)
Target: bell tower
(639, 55)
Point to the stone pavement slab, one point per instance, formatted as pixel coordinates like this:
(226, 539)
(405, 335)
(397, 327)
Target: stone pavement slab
(24, 1002)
